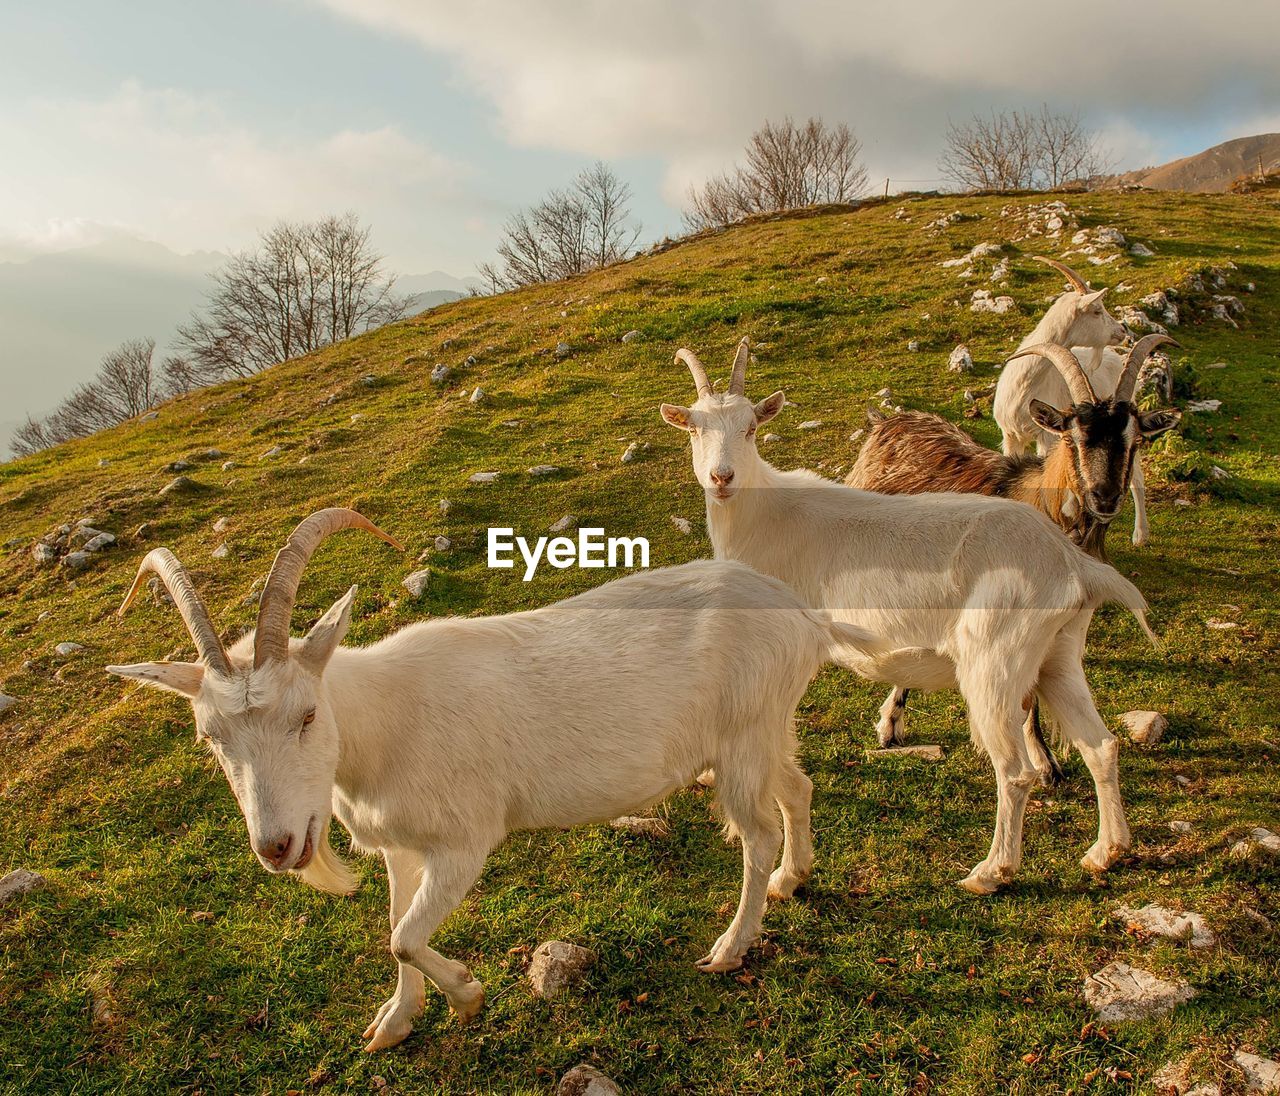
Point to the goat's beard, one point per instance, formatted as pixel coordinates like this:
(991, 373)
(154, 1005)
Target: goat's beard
(327, 871)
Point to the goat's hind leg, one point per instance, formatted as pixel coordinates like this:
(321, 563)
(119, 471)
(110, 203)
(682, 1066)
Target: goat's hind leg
(795, 790)
(1042, 757)
(749, 811)
(893, 716)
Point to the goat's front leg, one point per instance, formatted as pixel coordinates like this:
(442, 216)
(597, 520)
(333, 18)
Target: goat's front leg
(395, 1019)
(445, 877)
(1138, 489)
(893, 716)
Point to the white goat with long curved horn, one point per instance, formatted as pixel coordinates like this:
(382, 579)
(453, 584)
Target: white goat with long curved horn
(432, 744)
(975, 593)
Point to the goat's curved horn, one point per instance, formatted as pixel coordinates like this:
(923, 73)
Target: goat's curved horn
(1068, 365)
(738, 382)
(271, 641)
(1077, 283)
(697, 369)
(1133, 364)
(183, 591)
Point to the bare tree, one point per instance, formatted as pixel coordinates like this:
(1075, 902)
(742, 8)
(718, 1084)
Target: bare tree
(785, 166)
(569, 232)
(304, 287)
(1020, 150)
(125, 385)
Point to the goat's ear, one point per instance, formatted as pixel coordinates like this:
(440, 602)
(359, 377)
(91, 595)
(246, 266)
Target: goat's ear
(677, 416)
(1088, 300)
(175, 677)
(1154, 423)
(326, 634)
(1053, 420)
(768, 407)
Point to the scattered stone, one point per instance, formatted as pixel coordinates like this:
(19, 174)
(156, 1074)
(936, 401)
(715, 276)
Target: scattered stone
(982, 301)
(586, 1081)
(221, 525)
(76, 561)
(1109, 235)
(222, 551)
(178, 483)
(1141, 251)
(7, 702)
(274, 451)
(442, 544)
(913, 345)
(643, 826)
(564, 523)
(67, 649)
(631, 452)
(1262, 1075)
(1182, 781)
(99, 541)
(925, 753)
(631, 336)
(543, 470)
(1121, 992)
(556, 966)
(980, 251)
(478, 396)
(228, 465)
(213, 454)
(142, 531)
(45, 555)
(1158, 303)
(1258, 838)
(482, 477)
(1219, 473)
(810, 424)
(961, 361)
(416, 583)
(769, 439)
(440, 373)
(1137, 320)
(178, 466)
(1170, 924)
(470, 360)
(369, 380)
(1201, 406)
(21, 881)
(857, 434)
(1179, 826)
(563, 350)
(103, 462)
(150, 416)
(1145, 728)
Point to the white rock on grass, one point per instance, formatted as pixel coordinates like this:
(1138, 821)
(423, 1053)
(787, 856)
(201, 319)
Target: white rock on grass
(644, 827)
(478, 396)
(440, 373)
(1159, 921)
(682, 524)
(482, 477)
(7, 702)
(20, 881)
(913, 345)
(222, 551)
(76, 561)
(982, 301)
(560, 525)
(925, 753)
(1145, 728)
(102, 540)
(1178, 825)
(1120, 992)
(563, 350)
(66, 650)
(1261, 1075)
(810, 424)
(417, 582)
(769, 439)
(631, 336)
(1258, 838)
(45, 555)
(1140, 251)
(178, 483)
(1203, 405)
(960, 361)
(631, 452)
(443, 544)
(544, 470)
(586, 1081)
(556, 966)
(221, 525)
(274, 451)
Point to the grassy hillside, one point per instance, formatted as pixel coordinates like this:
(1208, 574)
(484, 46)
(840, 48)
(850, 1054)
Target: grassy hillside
(161, 955)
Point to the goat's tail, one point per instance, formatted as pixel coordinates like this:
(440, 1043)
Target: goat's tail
(327, 871)
(1109, 585)
(841, 638)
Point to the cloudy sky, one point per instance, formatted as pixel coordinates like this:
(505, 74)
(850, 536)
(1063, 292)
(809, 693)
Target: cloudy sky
(193, 125)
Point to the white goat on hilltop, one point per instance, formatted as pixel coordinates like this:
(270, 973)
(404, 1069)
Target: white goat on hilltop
(1079, 320)
(434, 743)
(980, 594)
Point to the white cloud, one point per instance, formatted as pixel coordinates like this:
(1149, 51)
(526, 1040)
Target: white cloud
(687, 82)
(164, 164)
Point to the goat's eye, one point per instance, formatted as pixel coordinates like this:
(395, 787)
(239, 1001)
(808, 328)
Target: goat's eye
(751, 431)
(308, 719)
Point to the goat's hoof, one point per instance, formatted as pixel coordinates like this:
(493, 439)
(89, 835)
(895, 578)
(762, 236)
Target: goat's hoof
(981, 883)
(783, 885)
(706, 778)
(890, 734)
(467, 1001)
(1140, 538)
(1101, 857)
(392, 1025)
(711, 964)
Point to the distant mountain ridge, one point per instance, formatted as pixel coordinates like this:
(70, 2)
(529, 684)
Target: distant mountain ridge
(1211, 171)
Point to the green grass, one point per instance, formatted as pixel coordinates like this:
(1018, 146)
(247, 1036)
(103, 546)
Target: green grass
(162, 957)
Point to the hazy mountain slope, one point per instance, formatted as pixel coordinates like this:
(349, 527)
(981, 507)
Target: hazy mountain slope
(161, 957)
(1214, 169)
